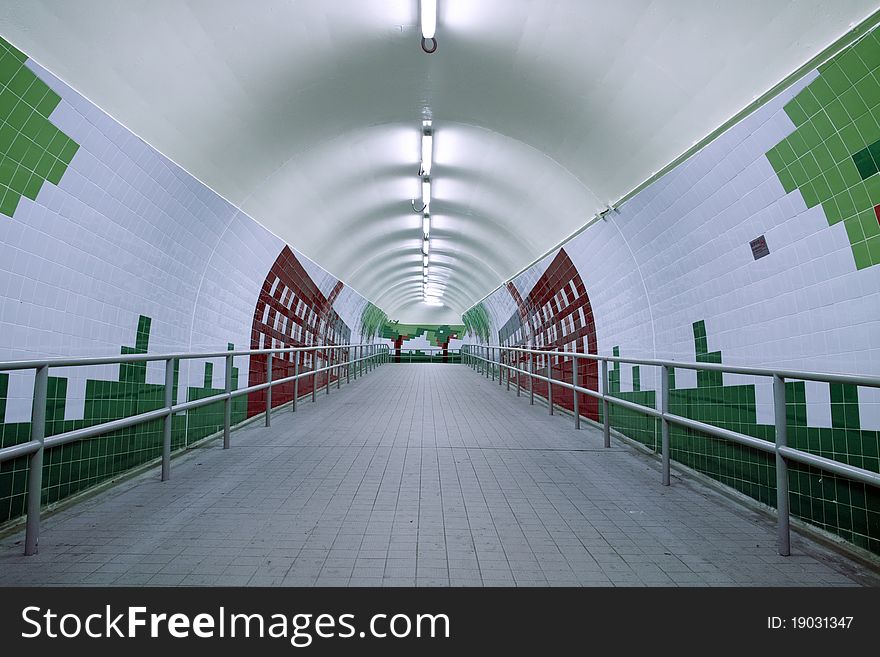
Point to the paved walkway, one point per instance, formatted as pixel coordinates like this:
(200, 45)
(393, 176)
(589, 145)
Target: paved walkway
(422, 475)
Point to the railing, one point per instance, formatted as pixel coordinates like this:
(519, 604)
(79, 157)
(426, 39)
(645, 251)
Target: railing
(428, 355)
(350, 361)
(489, 360)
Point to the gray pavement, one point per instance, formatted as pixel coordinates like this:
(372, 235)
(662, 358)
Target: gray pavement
(424, 475)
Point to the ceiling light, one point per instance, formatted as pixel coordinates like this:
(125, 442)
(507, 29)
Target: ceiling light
(426, 192)
(426, 224)
(428, 17)
(424, 261)
(426, 246)
(427, 148)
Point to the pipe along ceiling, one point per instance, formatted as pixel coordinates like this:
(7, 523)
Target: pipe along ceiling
(310, 115)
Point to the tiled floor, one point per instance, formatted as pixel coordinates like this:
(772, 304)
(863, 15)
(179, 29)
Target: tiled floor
(422, 475)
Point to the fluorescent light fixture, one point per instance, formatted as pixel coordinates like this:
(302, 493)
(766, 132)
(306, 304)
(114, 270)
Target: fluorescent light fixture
(426, 192)
(426, 246)
(426, 224)
(427, 147)
(429, 18)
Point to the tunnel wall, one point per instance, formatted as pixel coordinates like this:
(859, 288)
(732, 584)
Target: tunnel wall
(761, 249)
(108, 247)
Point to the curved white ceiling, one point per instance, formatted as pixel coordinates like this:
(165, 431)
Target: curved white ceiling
(307, 113)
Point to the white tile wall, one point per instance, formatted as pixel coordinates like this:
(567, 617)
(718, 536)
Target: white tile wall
(678, 252)
(126, 233)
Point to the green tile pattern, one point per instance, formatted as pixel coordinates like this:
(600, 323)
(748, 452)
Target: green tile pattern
(477, 323)
(32, 149)
(831, 157)
(373, 319)
(849, 510)
(436, 334)
(75, 467)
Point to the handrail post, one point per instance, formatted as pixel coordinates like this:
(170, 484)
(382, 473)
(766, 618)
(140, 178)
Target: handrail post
(574, 392)
(549, 384)
(227, 403)
(664, 423)
(518, 373)
(606, 406)
(779, 411)
(166, 428)
(314, 375)
(269, 389)
(492, 357)
(507, 365)
(35, 461)
(531, 378)
(295, 380)
(338, 351)
(348, 364)
(329, 357)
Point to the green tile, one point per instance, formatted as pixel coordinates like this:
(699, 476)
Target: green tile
(845, 204)
(870, 225)
(787, 181)
(7, 135)
(69, 150)
(44, 166)
(787, 154)
(868, 128)
(21, 81)
(822, 190)
(810, 135)
(809, 194)
(861, 255)
(33, 187)
(808, 103)
(853, 103)
(850, 174)
(874, 249)
(869, 89)
(811, 167)
(9, 202)
(20, 145)
(822, 91)
(832, 212)
(837, 148)
(860, 197)
(837, 114)
(872, 184)
(852, 65)
(31, 156)
(56, 172)
(775, 159)
(854, 229)
(835, 77)
(795, 112)
(48, 104)
(823, 125)
(852, 139)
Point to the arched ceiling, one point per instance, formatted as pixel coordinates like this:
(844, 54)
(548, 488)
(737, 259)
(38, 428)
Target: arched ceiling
(307, 113)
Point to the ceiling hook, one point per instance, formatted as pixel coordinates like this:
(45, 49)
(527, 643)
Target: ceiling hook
(432, 41)
(412, 202)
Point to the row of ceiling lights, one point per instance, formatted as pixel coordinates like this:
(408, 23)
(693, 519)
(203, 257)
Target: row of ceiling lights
(430, 295)
(428, 16)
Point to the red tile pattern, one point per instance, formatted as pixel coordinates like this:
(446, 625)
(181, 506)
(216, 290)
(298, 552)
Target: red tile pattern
(556, 315)
(292, 312)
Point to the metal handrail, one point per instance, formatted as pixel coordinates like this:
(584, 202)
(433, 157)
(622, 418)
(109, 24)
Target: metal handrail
(412, 352)
(358, 359)
(487, 359)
